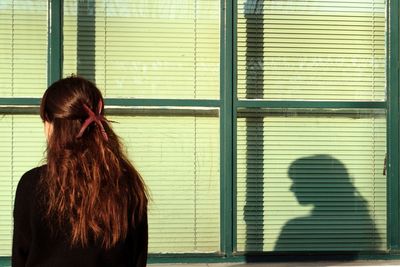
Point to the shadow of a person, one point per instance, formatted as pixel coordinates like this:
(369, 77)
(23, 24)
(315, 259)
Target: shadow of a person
(254, 60)
(340, 219)
(86, 39)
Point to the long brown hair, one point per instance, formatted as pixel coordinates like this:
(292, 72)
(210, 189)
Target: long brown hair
(88, 180)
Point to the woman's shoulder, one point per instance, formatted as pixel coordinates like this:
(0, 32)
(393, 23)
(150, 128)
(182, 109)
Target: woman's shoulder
(26, 193)
(30, 178)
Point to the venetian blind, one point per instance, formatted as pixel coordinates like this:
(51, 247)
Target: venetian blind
(311, 50)
(159, 49)
(23, 47)
(151, 49)
(23, 72)
(178, 157)
(22, 146)
(311, 181)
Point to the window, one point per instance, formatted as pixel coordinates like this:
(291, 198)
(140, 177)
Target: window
(157, 50)
(170, 52)
(23, 43)
(309, 158)
(259, 126)
(23, 72)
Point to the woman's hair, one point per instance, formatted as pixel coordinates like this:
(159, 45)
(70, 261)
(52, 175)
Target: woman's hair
(88, 180)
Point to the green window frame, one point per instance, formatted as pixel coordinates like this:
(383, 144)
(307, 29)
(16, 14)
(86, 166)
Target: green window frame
(228, 104)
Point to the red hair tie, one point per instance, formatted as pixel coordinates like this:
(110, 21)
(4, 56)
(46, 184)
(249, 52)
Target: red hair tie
(94, 118)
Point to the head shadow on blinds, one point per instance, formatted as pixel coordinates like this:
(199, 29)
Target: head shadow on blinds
(311, 180)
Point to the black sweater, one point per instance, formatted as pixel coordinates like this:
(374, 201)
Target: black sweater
(35, 245)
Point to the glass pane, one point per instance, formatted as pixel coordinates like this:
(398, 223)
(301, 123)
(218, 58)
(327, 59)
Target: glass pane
(177, 156)
(151, 49)
(311, 180)
(22, 146)
(23, 47)
(311, 50)
(179, 160)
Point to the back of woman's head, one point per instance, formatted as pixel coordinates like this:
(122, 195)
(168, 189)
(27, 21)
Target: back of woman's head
(89, 182)
(64, 105)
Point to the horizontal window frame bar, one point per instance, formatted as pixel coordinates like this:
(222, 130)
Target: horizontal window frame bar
(163, 111)
(267, 258)
(162, 102)
(310, 104)
(19, 101)
(192, 103)
(124, 107)
(129, 111)
(123, 102)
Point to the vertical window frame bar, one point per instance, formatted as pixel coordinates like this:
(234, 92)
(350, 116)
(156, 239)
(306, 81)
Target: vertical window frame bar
(226, 140)
(393, 134)
(234, 125)
(55, 40)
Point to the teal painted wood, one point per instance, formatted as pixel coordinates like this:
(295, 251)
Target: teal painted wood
(226, 127)
(55, 45)
(268, 258)
(162, 102)
(23, 101)
(234, 127)
(309, 104)
(393, 127)
(5, 262)
(19, 101)
(209, 258)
